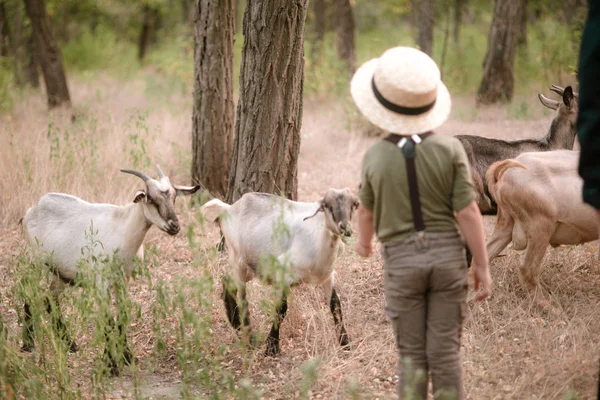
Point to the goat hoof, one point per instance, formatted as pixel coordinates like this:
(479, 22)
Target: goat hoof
(73, 348)
(345, 341)
(272, 348)
(129, 358)
(113, 369)
(27, 348)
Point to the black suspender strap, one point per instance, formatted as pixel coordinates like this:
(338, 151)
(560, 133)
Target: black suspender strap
(408, 145)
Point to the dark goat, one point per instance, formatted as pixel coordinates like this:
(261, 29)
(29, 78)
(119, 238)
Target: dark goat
(483, 152)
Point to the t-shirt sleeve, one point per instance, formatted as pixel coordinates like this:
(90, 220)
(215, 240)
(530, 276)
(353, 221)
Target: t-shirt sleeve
(365, 190)
(463, 190)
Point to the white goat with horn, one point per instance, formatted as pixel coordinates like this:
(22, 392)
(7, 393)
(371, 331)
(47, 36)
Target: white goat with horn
(308, 243)
(56, 231)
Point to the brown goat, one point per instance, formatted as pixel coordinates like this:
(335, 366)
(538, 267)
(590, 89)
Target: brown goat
(482, 151)
(539, 204)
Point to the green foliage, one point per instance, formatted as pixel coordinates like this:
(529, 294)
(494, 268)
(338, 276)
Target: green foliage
(6, 84)
(100, 50)
(138, 134)
(73, 145)
(572, 395)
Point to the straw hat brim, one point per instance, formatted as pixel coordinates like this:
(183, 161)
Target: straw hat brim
(393, 122)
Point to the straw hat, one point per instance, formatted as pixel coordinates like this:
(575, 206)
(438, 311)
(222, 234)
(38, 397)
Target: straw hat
(401, 92)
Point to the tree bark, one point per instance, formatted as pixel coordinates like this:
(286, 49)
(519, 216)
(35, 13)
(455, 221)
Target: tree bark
(269, 110)
(426, 20)
(213, 114)
(498, 78)
(48, 54)
(458, 11)
(345, 27)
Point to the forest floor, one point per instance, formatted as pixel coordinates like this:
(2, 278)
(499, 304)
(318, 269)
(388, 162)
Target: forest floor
(510, 350)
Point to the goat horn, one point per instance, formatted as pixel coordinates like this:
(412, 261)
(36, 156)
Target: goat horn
(557, 89)
(139, 174)
(552, 104)
(160, 173)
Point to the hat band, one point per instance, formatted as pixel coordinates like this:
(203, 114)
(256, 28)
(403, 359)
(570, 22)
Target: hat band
(397, 108)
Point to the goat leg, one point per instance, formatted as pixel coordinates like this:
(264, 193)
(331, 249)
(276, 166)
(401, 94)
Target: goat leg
(110, 349)
(336, 311)
(53, 309)
(28, 332)
(273, 338)
(127, 354)
(231, 307)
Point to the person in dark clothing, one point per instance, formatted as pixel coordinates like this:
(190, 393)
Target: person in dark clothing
(588, 121)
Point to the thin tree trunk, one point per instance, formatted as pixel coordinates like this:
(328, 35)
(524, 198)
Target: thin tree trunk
(184, 11)
(30, 66)
(269, 111)
(48, 54)
(320, 11)
(414, 14)
(458, 11)
(213, 114)
(345, 28)
(23, 45)
(5, 48)
(145, 33)
(522, 41)
(426, 21)
(445, 46)
(498, 78)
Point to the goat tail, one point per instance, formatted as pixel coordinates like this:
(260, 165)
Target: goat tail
(213, 209)
(495, 172)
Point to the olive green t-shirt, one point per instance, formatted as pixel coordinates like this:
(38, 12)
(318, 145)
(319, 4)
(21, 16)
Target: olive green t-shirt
(443, 177)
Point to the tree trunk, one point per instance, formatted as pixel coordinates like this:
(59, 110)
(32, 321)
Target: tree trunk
(426, 20)
(320, 11)
(345, 27)
(23, 45)
(269, 110)
(458, 10)
(522, 41)
(213, 114)
(5, 48)
(498, 80)
(30, 67)
(48, 54)
(145, 33)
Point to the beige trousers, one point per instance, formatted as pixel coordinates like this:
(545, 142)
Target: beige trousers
(425, 291)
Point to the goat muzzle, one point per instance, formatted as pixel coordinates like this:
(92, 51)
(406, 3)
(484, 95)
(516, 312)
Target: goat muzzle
(173, 227)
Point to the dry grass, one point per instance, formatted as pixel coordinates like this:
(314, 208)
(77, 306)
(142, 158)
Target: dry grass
(509, 350)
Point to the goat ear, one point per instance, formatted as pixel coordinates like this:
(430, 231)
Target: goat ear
(322, 204)
(185, 190)
(568, 96)
(139, 196)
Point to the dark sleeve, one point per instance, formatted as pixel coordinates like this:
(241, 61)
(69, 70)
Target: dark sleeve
(588, 122)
